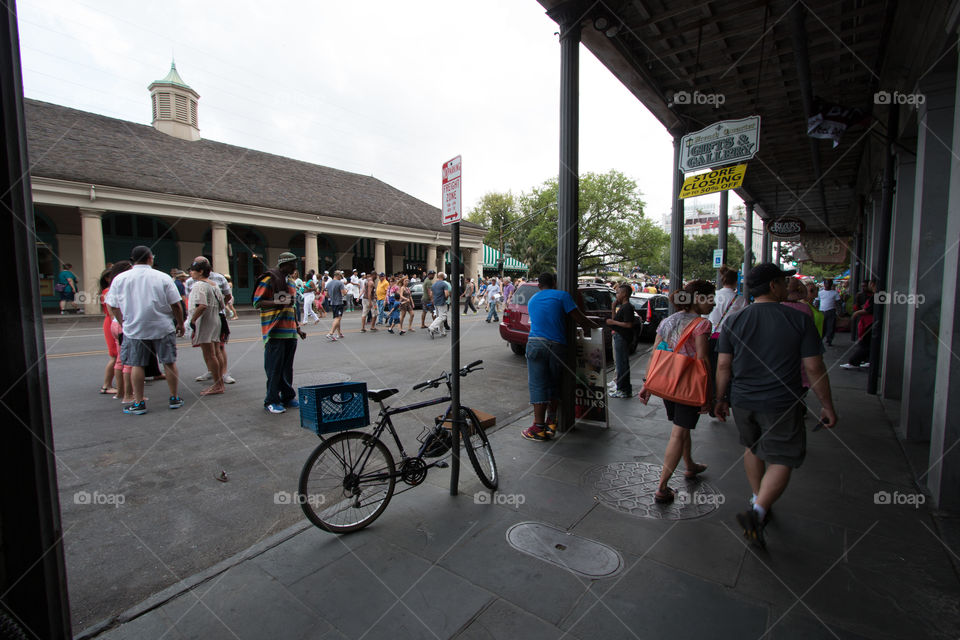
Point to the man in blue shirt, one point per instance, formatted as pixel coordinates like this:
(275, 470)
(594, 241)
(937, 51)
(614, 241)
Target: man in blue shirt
(546, 347)
(441, 297)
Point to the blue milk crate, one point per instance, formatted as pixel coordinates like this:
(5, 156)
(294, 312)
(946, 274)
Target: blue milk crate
(328, 408)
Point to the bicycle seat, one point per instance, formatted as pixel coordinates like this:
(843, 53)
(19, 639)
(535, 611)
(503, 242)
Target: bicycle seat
(381, 394)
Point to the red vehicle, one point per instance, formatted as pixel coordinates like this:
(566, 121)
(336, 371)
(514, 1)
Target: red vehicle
(595, 300)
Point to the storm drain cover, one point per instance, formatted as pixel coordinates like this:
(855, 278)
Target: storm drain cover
(582, 556)
(628, 487)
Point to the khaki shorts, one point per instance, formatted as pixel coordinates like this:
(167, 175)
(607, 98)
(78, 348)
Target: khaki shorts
(775, 437)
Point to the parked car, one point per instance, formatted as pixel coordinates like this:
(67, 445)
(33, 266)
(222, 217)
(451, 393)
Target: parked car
(651, 308)
(595, 300)
(416, 292)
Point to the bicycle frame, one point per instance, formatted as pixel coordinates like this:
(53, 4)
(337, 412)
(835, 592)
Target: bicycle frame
(384, 422)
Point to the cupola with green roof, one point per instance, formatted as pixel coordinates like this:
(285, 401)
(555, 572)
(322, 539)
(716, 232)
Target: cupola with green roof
(175, 106)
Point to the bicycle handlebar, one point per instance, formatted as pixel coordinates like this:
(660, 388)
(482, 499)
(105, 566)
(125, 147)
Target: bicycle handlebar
(445, 377)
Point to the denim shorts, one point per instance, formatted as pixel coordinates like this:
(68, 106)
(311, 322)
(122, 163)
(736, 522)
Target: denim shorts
(544, 368)
(138, 351)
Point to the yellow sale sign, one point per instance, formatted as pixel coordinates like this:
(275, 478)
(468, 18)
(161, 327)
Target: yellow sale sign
(716, 180)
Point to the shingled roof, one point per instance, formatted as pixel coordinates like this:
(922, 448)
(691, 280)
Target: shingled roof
(79, 146)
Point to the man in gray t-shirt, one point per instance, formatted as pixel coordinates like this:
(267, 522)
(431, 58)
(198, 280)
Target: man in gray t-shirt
(760, 350)
(336, 288)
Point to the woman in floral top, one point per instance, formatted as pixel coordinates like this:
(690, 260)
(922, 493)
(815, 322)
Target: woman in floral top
(692, 302)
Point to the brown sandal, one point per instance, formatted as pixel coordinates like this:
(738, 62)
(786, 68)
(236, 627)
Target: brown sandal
(697, 469)
(664, 496)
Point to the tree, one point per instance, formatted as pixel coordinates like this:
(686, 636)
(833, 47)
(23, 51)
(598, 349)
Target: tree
(612, 229)
(495, 211)
(698, 256)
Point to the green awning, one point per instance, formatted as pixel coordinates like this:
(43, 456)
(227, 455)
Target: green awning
(491, 255)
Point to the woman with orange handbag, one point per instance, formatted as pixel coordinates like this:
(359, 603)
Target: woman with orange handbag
(686, 334)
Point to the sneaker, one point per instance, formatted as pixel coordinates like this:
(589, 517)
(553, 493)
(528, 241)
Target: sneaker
(389, 330)
(847, 365)
(536, 432)
(176, 402)
(618, 394)
(206, 376)
(331, 337)
(292, 404)
(864, 365)
(612, 385)
(137, 408)
(229, 379)
(275, 408)
(752, 527)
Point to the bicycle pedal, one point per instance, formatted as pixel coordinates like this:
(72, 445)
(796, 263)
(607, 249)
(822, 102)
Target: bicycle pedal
(441, 464)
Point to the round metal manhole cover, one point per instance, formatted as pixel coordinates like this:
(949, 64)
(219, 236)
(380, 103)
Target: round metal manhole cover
(628, 487)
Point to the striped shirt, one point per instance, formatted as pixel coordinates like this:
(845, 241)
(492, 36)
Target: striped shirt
(275, 322)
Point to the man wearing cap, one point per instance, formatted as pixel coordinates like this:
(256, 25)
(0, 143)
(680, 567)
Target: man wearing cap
(224, 285)
(147, 305)
(275, 297)
(761, 349)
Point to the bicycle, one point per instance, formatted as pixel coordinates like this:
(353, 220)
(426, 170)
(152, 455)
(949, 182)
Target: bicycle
(348, 480)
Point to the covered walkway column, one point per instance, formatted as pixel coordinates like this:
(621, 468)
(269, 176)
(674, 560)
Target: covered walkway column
(722, 230)
(91, 233)
(431, 257)
(676, 221)
(218, 246)
(748, 239)
(380, 256)
(311, 254)
(930, 203)
(943, 479)
(568, 16)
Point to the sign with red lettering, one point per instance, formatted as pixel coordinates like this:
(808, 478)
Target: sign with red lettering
(450, 211)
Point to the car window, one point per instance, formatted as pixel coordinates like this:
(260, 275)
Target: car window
(417, 288)
(523, 294)
(639, 304)
(661, 304)
(596, 299)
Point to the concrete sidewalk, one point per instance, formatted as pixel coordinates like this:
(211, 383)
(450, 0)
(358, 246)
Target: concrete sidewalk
(850, 552)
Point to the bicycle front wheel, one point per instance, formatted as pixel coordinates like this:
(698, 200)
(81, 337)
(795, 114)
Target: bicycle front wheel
(347, 482)
(478, 449)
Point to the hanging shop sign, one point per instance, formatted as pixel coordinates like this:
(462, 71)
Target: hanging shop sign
(786, 227)
(716, 180)
(822, 248)
(829, 120)
(720, 144)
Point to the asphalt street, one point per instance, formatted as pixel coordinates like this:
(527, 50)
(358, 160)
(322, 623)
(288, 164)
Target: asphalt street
(141, 503)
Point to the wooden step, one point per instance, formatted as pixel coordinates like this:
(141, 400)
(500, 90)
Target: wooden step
(486, 420)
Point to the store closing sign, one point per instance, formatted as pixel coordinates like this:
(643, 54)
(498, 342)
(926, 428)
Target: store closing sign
(716, 180)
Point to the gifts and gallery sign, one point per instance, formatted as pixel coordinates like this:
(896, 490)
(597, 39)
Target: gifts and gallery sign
(720, 144)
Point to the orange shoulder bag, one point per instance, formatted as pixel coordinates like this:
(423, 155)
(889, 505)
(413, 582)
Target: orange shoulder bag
(676, 377)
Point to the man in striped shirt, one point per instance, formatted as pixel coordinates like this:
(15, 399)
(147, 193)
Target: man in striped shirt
(275, 297)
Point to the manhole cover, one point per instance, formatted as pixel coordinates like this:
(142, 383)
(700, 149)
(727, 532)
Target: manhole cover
(585, 557)
(628, 487)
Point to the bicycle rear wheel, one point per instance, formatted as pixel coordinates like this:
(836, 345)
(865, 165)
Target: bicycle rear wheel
(478, 449)
(346, 482)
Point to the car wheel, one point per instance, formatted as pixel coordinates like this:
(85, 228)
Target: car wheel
(517, 348)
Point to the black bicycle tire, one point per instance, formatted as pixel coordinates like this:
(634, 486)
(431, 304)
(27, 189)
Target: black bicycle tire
(305, 495)
(470, 417)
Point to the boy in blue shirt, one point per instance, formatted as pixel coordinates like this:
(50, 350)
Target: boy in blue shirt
(546, 348)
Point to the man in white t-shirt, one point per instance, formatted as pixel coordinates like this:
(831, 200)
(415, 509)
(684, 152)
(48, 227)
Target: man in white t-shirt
(828, 300)
(147, 305)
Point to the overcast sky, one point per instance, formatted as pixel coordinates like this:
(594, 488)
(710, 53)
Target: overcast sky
(383, 88)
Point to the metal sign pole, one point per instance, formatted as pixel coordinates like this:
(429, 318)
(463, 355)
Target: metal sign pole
(454, 307)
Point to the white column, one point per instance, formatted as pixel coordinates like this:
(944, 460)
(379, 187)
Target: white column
(218, 246)
(473, 263)
(311, 255)
(431, 257)
(380, 256)
(441, 258)
(91, 233)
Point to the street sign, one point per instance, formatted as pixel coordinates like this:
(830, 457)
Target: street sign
(717, 258)
(720, 144)
(716, 180)
(450, 209)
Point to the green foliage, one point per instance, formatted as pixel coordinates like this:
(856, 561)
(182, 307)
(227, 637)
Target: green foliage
(613, 232)
(698, 256)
